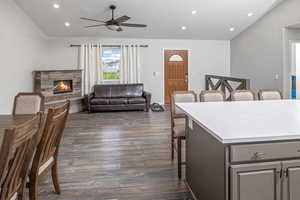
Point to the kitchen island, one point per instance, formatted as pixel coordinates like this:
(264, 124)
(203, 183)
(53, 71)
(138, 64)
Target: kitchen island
(243, 150)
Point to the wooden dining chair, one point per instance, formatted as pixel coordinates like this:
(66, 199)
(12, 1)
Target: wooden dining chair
(212, 96)
(269, 94)
(16, 152)
(178, 124)
(28, 103)
(243, 95)
(46, 155)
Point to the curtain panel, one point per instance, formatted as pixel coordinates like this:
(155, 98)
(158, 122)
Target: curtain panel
(91, 65)
(130, 64)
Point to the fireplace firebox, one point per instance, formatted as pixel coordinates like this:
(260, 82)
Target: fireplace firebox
(62, 86)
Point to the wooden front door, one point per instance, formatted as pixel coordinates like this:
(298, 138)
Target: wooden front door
(176, 72)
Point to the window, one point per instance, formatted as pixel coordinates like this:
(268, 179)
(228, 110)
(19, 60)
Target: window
(176, 58)
(111, 64)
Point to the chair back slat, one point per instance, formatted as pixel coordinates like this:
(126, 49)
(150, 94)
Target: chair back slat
(8, 140)
(16, 152)
(52, 134)
(28, 103)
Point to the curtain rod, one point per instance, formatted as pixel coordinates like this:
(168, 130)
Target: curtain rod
(144, 46)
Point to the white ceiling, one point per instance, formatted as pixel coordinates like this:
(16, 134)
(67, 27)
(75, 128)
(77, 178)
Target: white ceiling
(163, 17)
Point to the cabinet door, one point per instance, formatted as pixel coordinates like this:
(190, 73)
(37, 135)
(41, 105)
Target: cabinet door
(260, 181)
(291, 181)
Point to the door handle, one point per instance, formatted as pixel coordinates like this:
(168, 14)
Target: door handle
(186, 78)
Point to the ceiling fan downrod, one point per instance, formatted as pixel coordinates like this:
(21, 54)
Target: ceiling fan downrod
(113, 8)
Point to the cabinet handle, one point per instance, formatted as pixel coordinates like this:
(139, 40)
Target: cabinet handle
(280, 173)
(283, 173)
(259, 155)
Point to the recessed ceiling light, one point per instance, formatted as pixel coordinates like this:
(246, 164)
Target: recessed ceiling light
(250, 14)
(56, 5)
(232, 29)
(183, 27)
(194, 12)
(67, 24)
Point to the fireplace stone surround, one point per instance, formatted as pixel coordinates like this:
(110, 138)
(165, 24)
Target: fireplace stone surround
(46, 80)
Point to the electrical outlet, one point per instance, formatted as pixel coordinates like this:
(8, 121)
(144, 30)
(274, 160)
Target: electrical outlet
(155, 74)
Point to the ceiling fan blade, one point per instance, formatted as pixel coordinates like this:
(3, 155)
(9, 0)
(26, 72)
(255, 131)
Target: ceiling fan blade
(94, 20)
(122, 19)
(95, 25)
(133, 25)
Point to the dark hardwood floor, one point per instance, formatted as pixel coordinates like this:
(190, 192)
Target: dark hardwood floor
(112, 156)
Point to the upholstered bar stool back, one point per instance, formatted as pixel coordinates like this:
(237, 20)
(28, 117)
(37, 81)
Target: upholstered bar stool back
(178, 123)
(212, 96)
(177, 97)
(269, 94)
(243, 95)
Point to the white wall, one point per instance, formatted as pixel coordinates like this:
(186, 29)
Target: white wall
(296, 58)
(298, 55)
(206, 57)
(290, 35)
(257, 53)
(21, 51)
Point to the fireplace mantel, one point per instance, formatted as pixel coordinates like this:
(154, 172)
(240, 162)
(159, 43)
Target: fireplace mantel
(61, 70)
(45, 81)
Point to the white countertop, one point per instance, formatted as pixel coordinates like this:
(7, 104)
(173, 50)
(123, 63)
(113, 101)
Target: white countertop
(247, 121)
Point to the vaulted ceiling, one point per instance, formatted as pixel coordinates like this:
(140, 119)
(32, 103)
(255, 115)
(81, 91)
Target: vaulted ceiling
(165, 18)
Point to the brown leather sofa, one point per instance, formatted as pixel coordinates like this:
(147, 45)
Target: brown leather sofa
(118, 97)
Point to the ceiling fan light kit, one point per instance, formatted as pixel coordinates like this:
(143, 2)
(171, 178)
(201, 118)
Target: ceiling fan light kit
(113, 27)
(114, 24)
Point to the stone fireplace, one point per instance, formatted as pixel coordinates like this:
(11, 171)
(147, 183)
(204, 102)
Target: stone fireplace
(58, 86)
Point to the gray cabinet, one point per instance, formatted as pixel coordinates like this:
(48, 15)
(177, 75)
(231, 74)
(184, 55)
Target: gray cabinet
(291, 180)
(259, 181)
(244, 171)
(266, 181)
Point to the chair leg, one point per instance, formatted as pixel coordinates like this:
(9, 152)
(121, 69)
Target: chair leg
(179, 157)
(55, 178)
(172, 148)
(33, 189)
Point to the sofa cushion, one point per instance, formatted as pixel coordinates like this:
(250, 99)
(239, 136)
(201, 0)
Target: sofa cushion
(136, 100)
(118, 101)
(119, 90)
(101, 91)
(99, 101)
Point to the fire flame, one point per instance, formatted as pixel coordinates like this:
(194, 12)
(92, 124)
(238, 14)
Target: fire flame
(62, 86)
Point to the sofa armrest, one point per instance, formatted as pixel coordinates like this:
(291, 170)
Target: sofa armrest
(147, 96)
(87, 100)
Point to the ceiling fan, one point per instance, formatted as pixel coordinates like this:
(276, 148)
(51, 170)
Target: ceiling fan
(114, 24)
